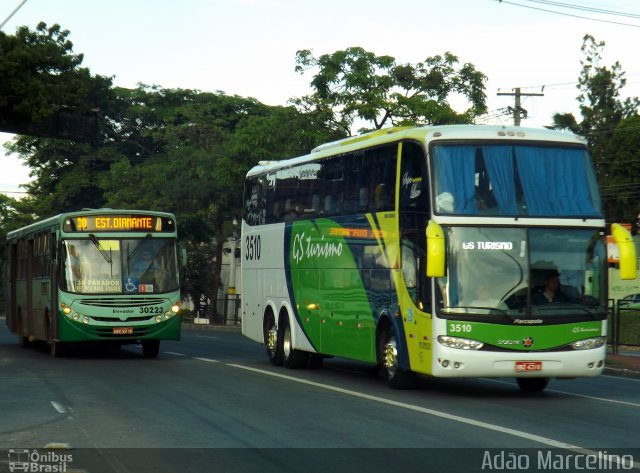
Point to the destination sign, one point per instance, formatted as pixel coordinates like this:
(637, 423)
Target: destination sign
(119, 223)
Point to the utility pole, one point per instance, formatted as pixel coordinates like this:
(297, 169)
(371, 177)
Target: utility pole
(518, 111)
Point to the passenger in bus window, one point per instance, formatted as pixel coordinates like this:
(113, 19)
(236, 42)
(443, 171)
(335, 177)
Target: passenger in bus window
(550, 293)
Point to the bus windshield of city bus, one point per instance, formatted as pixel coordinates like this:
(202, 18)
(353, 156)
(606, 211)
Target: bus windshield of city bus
(540, 273)
(119, 266)
(507, 179)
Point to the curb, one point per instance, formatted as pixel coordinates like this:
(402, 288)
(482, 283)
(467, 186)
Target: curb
(622, 372)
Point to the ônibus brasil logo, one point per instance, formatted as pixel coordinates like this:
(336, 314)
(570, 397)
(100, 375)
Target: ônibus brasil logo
(22, 459)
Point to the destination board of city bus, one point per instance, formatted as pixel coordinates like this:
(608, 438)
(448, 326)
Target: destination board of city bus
(118, 223)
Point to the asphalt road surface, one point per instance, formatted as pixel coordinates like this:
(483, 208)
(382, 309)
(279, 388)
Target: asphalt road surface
(212, 402)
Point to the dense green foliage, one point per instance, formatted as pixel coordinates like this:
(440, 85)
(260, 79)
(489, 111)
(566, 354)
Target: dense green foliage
(355, 84)
(609, 124)
(44, 90)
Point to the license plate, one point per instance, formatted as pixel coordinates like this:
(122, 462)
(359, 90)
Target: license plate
(123, 330)
(528, 366)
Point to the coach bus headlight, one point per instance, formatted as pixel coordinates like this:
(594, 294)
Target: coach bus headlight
(459, 343)
(589, 343)
(175, 308)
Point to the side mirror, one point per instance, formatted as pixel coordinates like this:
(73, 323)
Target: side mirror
(627, 249)
(183, 256)
(435, 250)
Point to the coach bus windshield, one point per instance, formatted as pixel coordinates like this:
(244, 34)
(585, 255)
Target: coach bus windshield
(540, 273)
(119, 266)
(498, 179)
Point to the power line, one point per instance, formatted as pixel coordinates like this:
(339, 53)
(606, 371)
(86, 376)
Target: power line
(12, 13)
(568, 14)
(573, 6)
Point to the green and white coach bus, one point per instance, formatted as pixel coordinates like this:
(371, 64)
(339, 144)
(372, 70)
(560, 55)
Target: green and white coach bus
(451, 251)
(102, 275)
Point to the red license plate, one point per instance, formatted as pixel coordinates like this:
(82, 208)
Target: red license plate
(123, 330)
(528, 366)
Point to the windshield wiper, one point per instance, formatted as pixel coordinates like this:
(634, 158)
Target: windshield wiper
(137, 248)
(107, 256)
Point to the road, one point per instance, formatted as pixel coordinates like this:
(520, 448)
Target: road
(212, 402)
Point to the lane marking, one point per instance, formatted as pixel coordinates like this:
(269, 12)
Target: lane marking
(615, 401)
(205, 336)
(464, 420)
(173, 353)
(208, 360)
(626, 378)
(61, 408)
(595, 398)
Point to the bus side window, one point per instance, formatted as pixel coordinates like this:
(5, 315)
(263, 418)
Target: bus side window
(414, 182)
(383, 174)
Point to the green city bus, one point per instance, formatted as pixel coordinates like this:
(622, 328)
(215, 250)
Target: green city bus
(451, 251)
(95, 276)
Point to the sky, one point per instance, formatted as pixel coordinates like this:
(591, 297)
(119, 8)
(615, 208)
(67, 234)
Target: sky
(248, 47)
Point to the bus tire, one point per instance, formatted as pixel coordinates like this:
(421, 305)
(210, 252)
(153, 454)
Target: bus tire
(56, 348)
(397, 378)
(271, 339)
(23, 341)
(532, 385)
(150, 348)
(291, 358)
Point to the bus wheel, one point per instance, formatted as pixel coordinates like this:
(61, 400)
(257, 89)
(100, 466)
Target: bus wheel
(270, 333)
(397, 378)
(150, 348)
(22, 340)
(532, 384)
(291, 358)
(56, 348)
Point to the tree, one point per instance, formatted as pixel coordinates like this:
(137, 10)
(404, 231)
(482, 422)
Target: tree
(602, 112)
(65, 174)
(357, 84)
(621, 192)
(43, 89)
(176, 156)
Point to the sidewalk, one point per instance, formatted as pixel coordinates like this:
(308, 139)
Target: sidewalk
(625, 363)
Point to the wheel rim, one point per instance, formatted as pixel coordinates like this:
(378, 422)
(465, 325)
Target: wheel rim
(272, 339)
(286, 342)
(390, 357)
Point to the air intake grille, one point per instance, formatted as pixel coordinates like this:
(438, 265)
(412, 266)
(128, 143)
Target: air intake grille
(121, 302)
